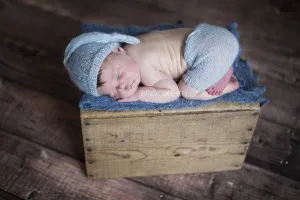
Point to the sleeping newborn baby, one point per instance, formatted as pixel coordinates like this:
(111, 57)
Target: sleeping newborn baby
(155, 67)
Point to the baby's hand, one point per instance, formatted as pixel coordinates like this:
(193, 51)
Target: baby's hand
(134, 97)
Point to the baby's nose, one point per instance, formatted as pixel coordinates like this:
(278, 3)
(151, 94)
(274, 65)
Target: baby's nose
(124, 86)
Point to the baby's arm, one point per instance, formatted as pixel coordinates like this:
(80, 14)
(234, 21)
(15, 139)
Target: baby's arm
(163, 91)
(159, 87)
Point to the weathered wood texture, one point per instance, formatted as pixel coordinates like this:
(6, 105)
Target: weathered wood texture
(60, 124)
(121, 144)
(32, 49)
(38, 117)
(278, 147)
(34, 171)
(31, 171)
(35, 26)
(270, 42)
(7, 196)
(273, 56)
(249, 183)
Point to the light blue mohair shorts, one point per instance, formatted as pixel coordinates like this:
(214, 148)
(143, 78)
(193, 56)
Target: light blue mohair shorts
(209, 52)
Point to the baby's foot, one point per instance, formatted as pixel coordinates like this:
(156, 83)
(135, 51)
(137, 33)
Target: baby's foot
(218, 88)
(233, 84)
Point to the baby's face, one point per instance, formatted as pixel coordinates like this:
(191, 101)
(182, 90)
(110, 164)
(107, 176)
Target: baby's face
(120, 76)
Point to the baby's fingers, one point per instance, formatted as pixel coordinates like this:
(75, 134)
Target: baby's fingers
(123, 100)
(126, 100)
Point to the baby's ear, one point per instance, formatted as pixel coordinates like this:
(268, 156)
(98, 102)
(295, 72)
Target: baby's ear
(119, 50)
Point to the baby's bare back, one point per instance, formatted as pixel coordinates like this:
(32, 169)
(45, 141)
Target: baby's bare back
(162, 51)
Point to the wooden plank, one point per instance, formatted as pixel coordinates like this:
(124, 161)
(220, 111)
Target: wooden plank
(272, 63)
(38, 27)
(34, 58)
(161, 11)
(42, 169)
(41, 118)
(287, 117)
(116, 12)
(35, 67)
(31, 171)
(213, 108)
(282, 94)
(274, 147)
(6, 196)
(121, 12)
(203, 141)
(249, 183)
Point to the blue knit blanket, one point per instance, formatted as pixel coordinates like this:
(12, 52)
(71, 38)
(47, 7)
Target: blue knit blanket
(249, 91)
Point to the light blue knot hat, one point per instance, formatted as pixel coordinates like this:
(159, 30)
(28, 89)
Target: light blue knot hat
(85, 54)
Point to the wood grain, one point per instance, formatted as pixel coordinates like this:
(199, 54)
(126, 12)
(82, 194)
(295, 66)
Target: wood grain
(249, 183)
(203, 141)
(36, 67)
(41, 118)
(115, 12)
(282, 94)
(33, 171)
(50, 175)
(59, 122)
(286, 117)
(277, 147)
(34, 26)
(7, 196)
(34, 58)
(270, 42)
(212, 108)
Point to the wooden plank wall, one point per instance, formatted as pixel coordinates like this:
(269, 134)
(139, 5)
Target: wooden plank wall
(41, 151)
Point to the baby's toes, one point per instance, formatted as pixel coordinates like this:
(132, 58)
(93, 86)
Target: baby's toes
(209, 90)
(233, 78)
(215, 92)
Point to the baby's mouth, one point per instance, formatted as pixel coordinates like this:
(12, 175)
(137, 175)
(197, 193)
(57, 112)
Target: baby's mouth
(132, 84)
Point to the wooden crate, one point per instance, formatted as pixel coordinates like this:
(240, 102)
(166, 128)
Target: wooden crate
(156, 142)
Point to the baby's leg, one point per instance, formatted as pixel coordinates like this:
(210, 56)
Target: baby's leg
(218, 88)
(188, 92)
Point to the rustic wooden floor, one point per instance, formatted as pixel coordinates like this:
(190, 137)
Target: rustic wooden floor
(41, 151)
